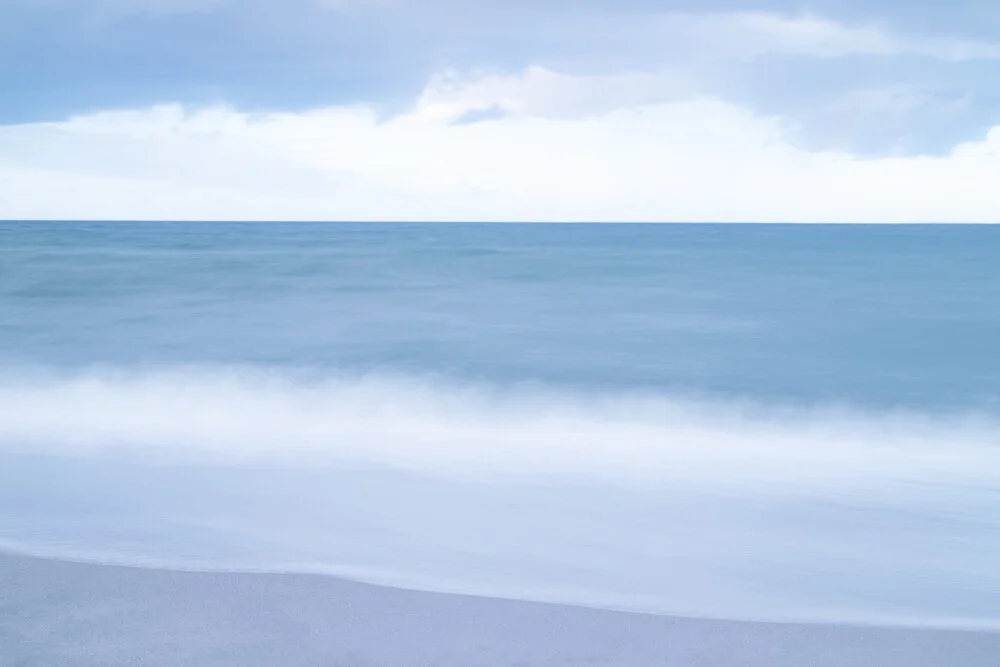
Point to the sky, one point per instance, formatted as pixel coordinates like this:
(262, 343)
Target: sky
(440, 110)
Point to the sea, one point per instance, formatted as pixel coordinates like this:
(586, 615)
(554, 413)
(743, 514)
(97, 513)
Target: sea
(766, 422)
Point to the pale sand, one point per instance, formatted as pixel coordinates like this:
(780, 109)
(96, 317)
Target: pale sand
(56, 613)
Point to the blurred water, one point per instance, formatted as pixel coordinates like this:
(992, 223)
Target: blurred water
(754, 421)
(891, 314)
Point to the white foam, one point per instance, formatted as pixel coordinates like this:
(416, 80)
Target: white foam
(646, 502)
(244, 415)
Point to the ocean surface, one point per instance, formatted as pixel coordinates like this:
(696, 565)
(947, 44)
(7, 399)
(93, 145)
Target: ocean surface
(740, 421)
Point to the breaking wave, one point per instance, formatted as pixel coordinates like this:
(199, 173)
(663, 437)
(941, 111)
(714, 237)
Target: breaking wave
(647, 502)
(245, 415)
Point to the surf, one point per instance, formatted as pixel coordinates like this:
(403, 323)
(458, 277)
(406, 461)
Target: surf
(642, 501)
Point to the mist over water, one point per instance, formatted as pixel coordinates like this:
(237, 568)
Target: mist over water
(770, 422)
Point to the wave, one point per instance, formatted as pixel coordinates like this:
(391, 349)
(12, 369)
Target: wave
(650, 502)
(232, 415)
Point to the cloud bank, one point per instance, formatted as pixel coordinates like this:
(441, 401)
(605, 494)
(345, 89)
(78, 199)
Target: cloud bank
(754, 33)
(552, 146)
(658, 128)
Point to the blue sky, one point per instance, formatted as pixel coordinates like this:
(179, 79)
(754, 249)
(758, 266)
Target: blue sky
(398, 109)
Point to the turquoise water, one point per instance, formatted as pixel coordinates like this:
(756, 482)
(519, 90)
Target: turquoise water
(762, 421)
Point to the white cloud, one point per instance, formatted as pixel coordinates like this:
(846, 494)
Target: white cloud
(558, 154)
(542, 92)
(755, 33)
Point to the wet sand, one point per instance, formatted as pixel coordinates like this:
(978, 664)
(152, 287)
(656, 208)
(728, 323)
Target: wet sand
(57, 613)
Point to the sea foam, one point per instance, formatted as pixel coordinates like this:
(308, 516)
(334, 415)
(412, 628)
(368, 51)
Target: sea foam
(241, 415)
(651, 502)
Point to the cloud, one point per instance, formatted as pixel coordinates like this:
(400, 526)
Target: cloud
(544, 93)
(558, 152)
(753, 33)
(257, 55)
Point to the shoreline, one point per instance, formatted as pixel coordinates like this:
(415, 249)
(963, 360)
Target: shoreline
(55, 611)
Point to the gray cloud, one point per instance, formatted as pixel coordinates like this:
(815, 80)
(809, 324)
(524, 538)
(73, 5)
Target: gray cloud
(69, 57)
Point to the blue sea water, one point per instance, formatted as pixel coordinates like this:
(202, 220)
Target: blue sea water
(751, 421)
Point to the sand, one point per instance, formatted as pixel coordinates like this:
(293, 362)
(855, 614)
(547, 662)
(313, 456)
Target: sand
(70, 614)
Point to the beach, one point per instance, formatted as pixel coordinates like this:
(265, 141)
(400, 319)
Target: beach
(80, 615)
